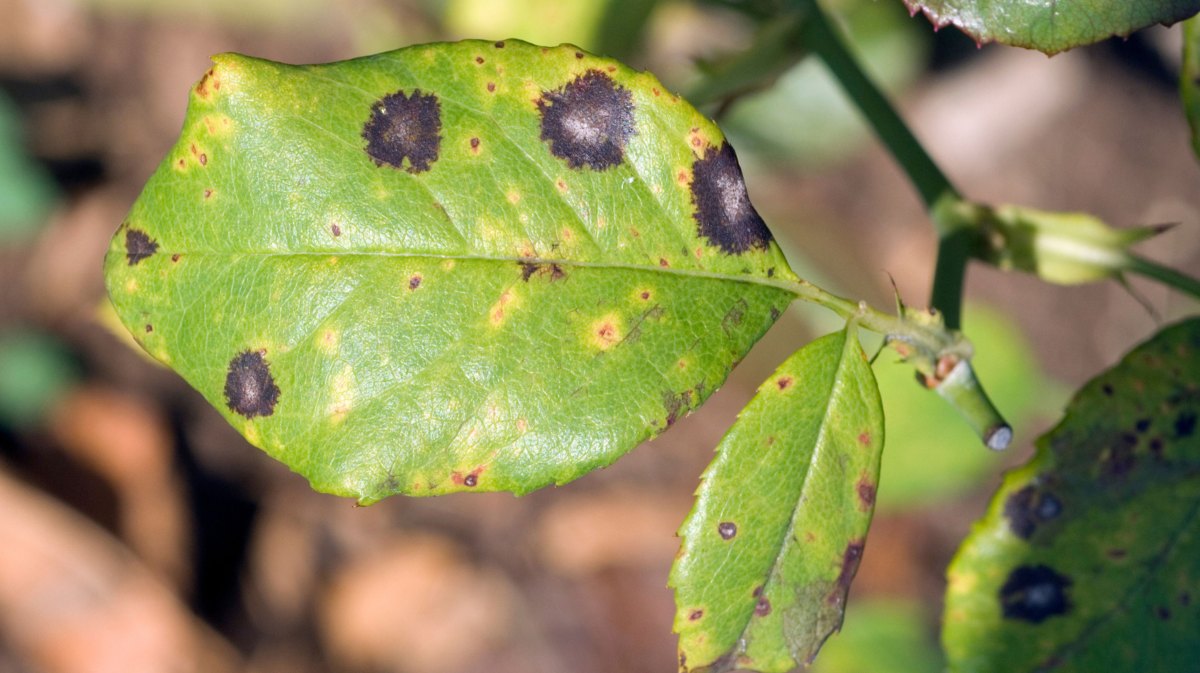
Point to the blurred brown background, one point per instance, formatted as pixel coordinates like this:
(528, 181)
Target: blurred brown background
(138, 532)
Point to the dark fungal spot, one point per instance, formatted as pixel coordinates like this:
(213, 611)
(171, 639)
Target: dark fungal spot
(1034, 594)
(1142, 425)
(850, 560)
(530, 269)
(1028, 508)
(763, 607)
(579, 54)
(335, 230)
(249, 388)
(1107, 389)
(414, 281)
(588, 121)
(727, 530)
(784, 382)
(471, 480)
(695, 615)
(499, 45)
(733, 317)
(138, 246)
(676, 405)
(479, 60)
(1163, 612)
(866, 494)
(474, 143)
(149, 328)
(404, 127)
(724, 214)
(175, 257)
(491, 87)
(1185, 424)
(1120, 459)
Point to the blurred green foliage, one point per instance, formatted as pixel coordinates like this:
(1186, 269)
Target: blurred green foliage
(35, 371)
(26, 192)
(882, 636)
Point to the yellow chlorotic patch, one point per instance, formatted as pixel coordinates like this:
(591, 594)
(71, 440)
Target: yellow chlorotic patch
(341, 397)
(503, 307)
(329, 341)
(131, 285)
(513, 196)
(606, 332)
(448, 264)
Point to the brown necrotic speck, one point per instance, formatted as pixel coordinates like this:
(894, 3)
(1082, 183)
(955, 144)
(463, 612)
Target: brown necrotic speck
(404, 127)
(784, 382)
(727, 530)
(499, 45)
(479, 59)
(491, 87)
(149, 328)
(175, 257)
(470, 481)
(724, 214)
(414, 282)
(763, 607)
(336, 230)
(250, 389)
(474, 143)
(579, 54)
(138, 245)
(695, 615)
(866, 494)
(203, 159)
(588, 121)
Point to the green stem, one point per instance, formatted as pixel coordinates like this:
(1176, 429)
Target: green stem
(822, 38)
(1165, 275)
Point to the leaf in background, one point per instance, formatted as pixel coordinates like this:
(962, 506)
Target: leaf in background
(781, 516)
(1051, 26)
(923, 430)
(1088, 557)
(26, 192)
(35, 372)
(806, 118)
(468, 266)
(1189, 79)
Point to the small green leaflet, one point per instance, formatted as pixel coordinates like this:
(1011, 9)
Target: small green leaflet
(781, 516)
(1089, 556)
(1051, 26)
(467, 266)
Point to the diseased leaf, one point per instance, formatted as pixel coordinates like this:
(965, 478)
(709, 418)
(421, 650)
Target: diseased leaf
(1051, 26)
(781, 516)
(468, 266)
(1089, 556)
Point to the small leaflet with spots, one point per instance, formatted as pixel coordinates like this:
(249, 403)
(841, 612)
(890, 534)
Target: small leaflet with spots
(1051, 26)
(1089, 556)
(470, 266)
(776, 536)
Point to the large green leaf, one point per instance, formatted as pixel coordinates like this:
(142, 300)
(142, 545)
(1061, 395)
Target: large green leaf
(468, 266)
(1051, 26)
(780, 520)
(1089, 557)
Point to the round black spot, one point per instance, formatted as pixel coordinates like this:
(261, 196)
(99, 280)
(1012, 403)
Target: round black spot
(588, 121)
(249, 388)
(1034, 594)
(138, 246)
(470, 481)
(727, 529)
(724, 214)
(405, 126)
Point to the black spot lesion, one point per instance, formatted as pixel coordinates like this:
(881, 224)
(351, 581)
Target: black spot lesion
(588, 121)
(1035, 594)
(724, 214)
(1029, 508)
(138, 245)
(250, 389)
(551, 271)
(405, 128)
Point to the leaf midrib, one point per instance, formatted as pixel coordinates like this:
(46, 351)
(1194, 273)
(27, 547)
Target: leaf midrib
(792, 287)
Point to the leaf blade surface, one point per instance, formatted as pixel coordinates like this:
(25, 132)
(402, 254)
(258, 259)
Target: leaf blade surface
(468, 266)
(776, 535)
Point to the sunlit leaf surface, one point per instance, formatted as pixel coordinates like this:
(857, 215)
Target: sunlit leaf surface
(781, 517)
(468, 266)
(1089, 557)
